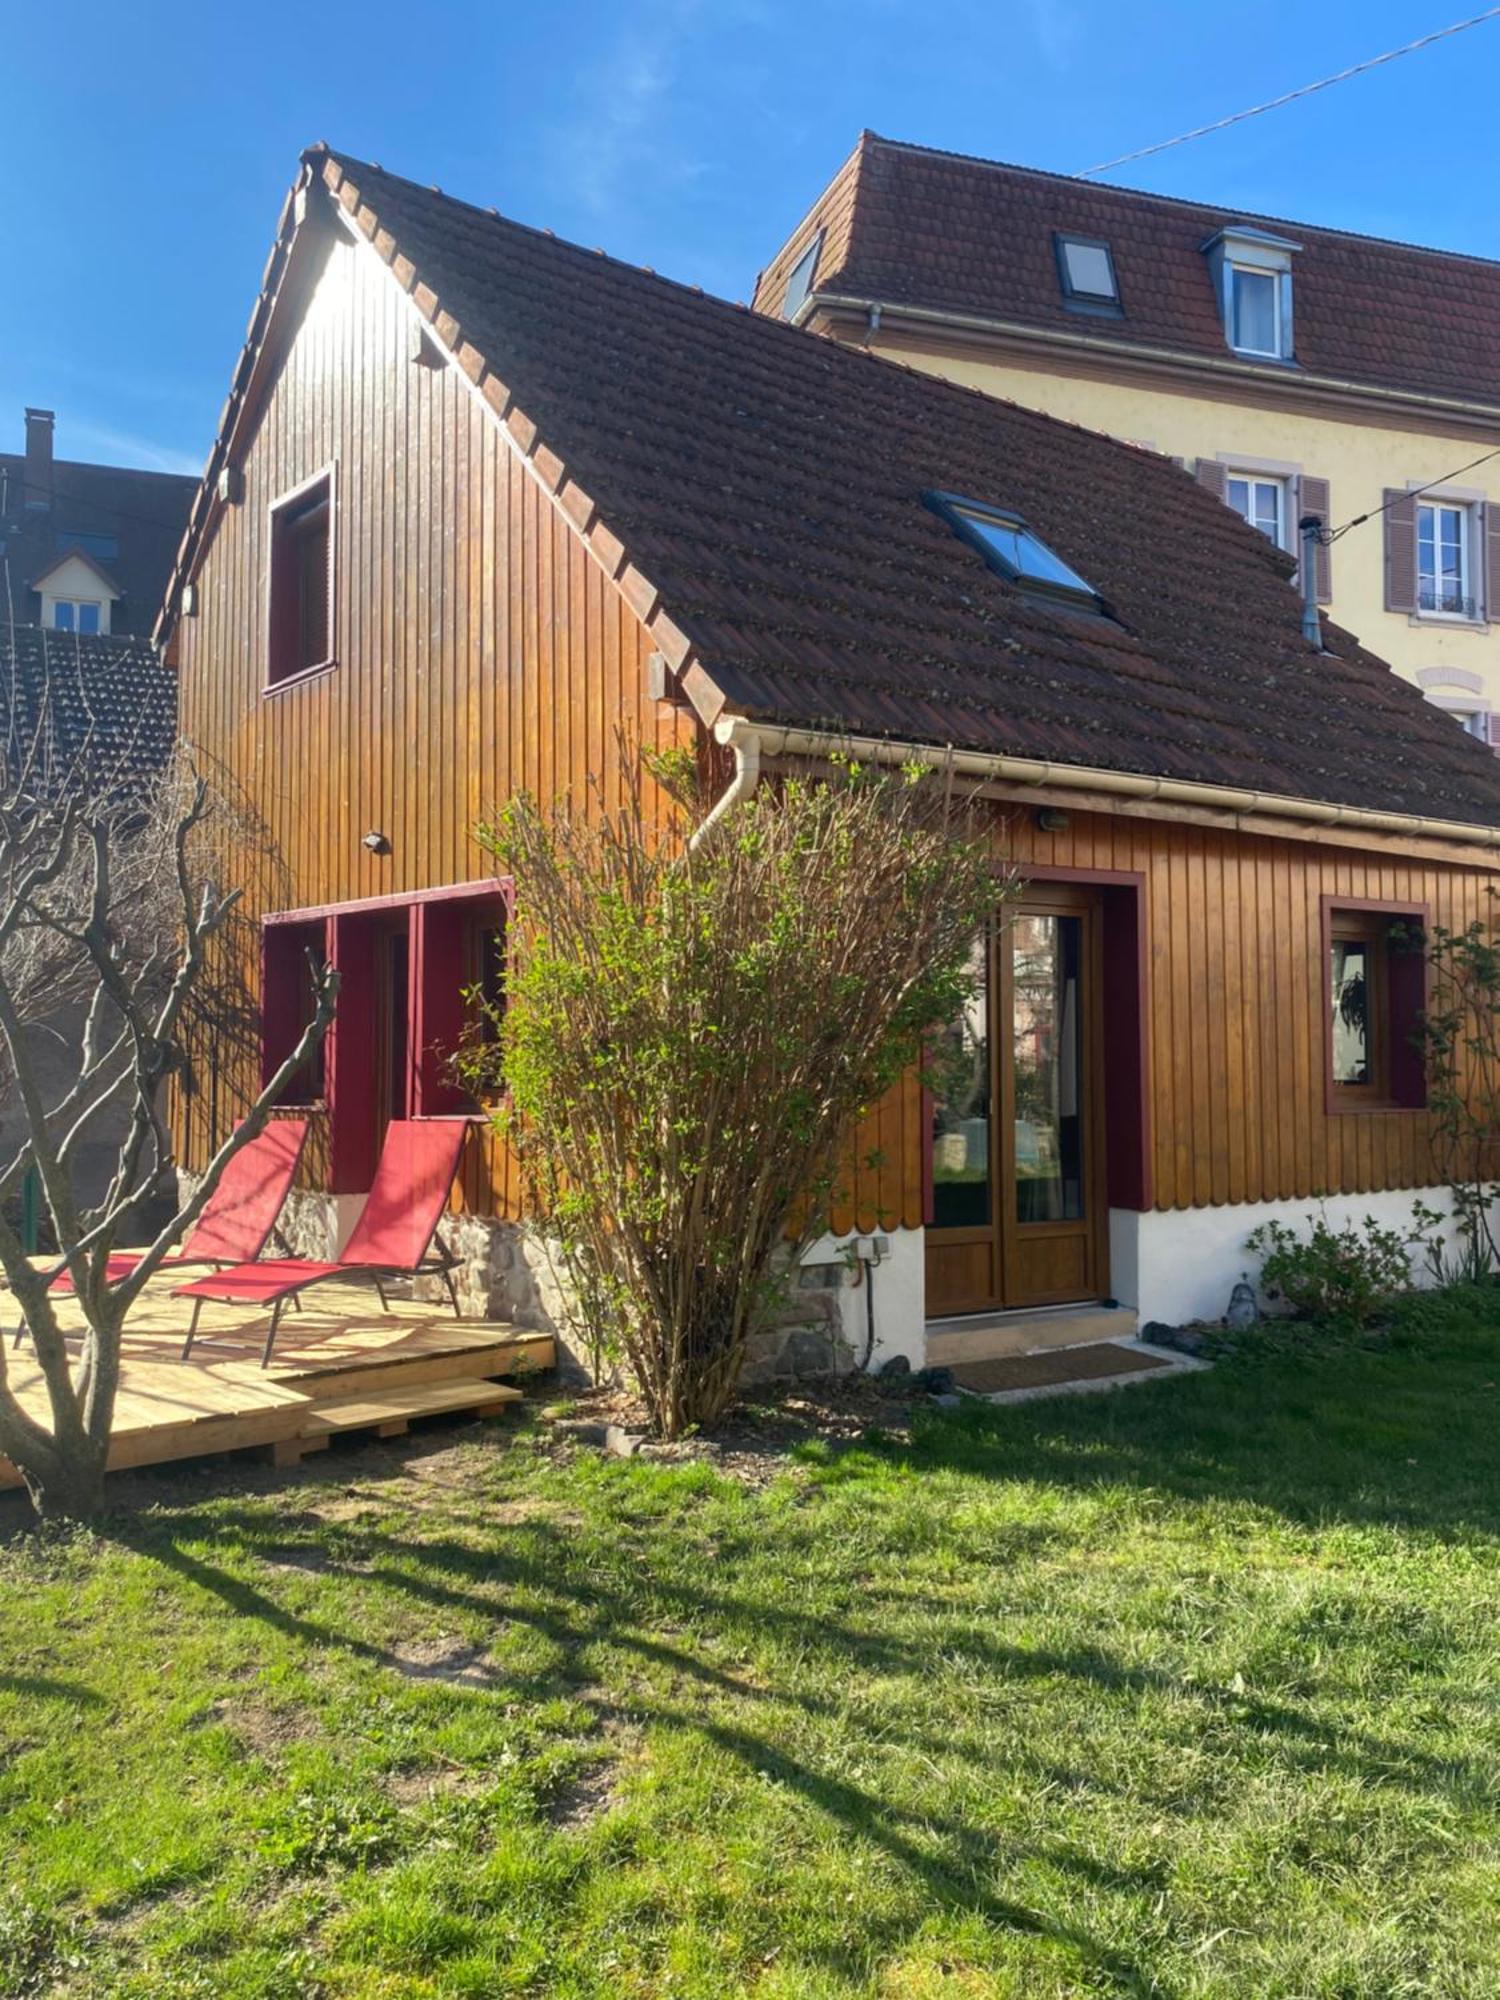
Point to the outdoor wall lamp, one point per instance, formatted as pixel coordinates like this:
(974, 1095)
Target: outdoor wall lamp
(377, 843)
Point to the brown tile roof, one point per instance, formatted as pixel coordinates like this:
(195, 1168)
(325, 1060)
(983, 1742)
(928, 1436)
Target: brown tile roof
(144, 512)
(770, 484)
(104, 706)
(908, 226)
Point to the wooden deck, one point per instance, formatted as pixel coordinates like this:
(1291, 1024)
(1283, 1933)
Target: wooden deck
(340, 1364)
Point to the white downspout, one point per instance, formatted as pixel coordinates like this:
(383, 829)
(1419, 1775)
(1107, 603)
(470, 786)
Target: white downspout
(746, 747)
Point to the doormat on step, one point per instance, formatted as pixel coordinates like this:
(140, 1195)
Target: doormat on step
(1061, 1364)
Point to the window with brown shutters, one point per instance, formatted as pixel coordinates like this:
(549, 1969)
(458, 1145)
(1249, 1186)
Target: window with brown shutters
(1400, 551)
(1313, 498)
(1489, 542)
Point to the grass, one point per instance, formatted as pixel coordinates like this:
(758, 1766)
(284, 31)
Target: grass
(1190, 1690)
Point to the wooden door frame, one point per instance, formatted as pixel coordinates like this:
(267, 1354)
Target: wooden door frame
(1064, 899)
(1061, 893)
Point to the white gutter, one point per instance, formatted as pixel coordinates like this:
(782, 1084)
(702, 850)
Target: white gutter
(1160, 359)
(746, 748)
(750, 741)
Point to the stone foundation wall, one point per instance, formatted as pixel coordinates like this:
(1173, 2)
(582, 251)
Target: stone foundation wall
(505, 1272)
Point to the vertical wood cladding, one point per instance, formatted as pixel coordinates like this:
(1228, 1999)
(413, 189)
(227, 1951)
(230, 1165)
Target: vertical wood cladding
(1236, 1037)
(481, 650)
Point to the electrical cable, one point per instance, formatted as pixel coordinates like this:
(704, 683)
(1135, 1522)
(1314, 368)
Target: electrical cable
(1291, 96)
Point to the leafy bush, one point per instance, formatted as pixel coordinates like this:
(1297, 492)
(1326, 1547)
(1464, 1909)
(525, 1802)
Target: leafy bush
(1342, 1274)
(691, 1026)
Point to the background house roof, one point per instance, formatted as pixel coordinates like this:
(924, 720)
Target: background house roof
(103, 704)
(143, 513)
(769, 484)
(908, 226)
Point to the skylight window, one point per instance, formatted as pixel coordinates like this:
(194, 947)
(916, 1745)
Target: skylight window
(799, 284)
(1010, 547)
(1086, 271)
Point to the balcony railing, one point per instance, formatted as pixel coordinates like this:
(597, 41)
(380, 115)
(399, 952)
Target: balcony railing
(1445, 602)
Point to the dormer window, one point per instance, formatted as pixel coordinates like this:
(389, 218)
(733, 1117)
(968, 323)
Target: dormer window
(1020, 555)
(1086, 272)
(1252, 276)
(799, 284)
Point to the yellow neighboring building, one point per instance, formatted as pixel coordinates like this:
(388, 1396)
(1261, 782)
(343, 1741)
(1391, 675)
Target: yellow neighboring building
(1293, 369)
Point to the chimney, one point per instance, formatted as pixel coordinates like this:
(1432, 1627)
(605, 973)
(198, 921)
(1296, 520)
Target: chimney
(39, 458)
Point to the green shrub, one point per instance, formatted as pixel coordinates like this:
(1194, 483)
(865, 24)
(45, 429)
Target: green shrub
(1346, 1274)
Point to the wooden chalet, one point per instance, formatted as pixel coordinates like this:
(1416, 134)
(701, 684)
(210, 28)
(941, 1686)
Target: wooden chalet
(480, 497)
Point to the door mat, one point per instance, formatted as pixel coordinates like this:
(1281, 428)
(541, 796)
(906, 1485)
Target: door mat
(1062, 1364)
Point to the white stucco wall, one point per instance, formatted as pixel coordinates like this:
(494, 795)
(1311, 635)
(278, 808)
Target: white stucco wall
(1181, 1264)
(899, 1289)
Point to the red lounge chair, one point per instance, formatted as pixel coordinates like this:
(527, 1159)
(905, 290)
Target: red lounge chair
(393, 1237)
(240, 1214)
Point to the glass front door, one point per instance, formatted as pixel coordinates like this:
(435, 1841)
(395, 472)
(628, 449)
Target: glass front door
(1013, 1087)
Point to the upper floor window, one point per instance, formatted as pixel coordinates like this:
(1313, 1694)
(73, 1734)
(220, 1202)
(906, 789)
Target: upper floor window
(1252, 275)
(1012, 548)
(1255, 311)
(1086, 271)
(1261, 502)
(75, 614)
(301, 596)
(1444, 559)
(799, 284)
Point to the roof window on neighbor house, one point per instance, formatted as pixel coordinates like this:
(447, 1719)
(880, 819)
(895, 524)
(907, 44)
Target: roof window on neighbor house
(1252, 278)
(1086, 272)
(799, 284)
(1009, 546)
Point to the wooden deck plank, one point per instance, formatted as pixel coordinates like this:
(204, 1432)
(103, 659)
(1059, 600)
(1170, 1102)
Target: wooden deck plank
(415, 1360)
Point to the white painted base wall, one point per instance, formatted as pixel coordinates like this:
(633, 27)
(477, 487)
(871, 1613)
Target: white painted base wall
(1181, 1264)
(898, 1287)
(1173, 1265)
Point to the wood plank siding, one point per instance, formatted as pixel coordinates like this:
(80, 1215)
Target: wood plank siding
(481, 650)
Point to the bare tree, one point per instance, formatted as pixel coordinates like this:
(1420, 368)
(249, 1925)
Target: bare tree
(114, 950)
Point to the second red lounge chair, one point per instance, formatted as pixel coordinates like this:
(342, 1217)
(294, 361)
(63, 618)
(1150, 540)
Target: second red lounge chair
(393, 1237)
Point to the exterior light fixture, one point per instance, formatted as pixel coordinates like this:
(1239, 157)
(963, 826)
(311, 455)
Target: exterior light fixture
(1052, 819)
(377, 843)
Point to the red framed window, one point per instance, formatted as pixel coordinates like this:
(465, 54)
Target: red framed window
(409, 969)
(300, 612)
(1374, 991)
(292, 955)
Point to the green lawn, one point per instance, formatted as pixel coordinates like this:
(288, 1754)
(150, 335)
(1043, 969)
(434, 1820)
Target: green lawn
(1186, 1690)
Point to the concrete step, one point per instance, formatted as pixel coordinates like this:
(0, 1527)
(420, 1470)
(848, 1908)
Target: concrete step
(993, 1336)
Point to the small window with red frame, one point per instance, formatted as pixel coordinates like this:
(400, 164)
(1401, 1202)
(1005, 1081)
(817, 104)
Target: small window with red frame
(301, 607)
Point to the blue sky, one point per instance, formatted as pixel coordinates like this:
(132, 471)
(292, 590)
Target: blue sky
(148, 148)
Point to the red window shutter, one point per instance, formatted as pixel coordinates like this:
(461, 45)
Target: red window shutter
(1489, 515)
(1313, 498)
(1400, 551)
(438, 1012)
(1210, 472)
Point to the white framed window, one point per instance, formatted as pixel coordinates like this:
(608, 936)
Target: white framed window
(1251, 272)
(75, 614)
(1445, 536)
(1255, 312)
(1260, 500)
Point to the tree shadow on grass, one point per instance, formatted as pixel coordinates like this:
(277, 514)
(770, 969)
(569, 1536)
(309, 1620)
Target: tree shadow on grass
(661, 1629)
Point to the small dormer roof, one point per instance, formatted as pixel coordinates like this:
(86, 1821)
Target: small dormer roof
(77, 555)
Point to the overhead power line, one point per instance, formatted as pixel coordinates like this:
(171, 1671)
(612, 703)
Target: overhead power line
(1328, 536)
(1291, 96)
